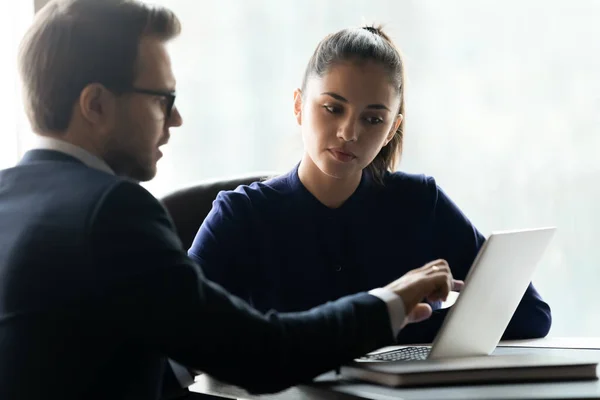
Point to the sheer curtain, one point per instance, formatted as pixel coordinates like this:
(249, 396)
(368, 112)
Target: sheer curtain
(11, 110)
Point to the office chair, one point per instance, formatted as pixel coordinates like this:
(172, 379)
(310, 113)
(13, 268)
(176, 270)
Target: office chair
(190, 205)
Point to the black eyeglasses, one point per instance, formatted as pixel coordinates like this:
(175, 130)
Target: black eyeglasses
(169, 96)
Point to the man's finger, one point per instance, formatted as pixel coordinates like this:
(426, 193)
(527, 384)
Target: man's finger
(439, 263)
(457, 285)
(438, 286)
(419, 313)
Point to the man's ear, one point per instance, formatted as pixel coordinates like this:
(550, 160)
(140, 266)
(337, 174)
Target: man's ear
(96, 103)
(298, 105)
(395, 127)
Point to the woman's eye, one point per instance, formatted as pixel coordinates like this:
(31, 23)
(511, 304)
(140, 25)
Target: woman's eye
(332, 109)
(374, 120)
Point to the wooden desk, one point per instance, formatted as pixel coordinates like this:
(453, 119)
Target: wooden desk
(329, 386)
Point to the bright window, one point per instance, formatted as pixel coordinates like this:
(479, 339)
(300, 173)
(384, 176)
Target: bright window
(503, 109)
(14, 124)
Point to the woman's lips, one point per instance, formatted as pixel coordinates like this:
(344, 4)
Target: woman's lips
(342, 155)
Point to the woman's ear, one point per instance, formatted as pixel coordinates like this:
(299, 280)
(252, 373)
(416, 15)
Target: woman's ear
(395, 127)
(298, 105)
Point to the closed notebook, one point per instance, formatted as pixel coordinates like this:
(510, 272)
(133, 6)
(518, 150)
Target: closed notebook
(469, 370)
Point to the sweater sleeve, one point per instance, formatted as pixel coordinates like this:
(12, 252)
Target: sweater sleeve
(221, 246)
(456, 240)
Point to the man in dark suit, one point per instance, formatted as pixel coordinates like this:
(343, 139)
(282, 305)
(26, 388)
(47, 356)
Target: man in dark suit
(98, 298)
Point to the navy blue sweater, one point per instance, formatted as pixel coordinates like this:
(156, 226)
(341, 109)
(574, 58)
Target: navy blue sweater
(276, 246)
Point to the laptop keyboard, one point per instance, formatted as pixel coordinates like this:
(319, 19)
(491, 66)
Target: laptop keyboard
(416, 353)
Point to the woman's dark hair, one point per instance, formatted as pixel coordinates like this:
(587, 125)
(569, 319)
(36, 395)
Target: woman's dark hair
(368, 43)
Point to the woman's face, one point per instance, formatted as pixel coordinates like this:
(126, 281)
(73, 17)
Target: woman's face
(347, 116)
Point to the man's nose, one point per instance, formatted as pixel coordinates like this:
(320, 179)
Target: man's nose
(176, 119)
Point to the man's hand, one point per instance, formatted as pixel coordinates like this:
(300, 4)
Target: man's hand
(433, 282)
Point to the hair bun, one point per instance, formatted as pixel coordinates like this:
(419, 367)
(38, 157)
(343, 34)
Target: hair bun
(372, 29)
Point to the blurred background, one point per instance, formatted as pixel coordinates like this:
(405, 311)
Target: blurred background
(503, 109)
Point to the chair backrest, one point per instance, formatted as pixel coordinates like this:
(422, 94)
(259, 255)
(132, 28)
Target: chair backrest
(190, 205)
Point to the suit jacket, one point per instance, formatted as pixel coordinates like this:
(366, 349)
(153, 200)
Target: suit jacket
(96, 292)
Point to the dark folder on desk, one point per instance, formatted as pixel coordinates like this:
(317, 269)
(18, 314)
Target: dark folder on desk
(470, 370)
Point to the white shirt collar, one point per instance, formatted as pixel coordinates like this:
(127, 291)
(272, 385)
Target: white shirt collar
(47, 143)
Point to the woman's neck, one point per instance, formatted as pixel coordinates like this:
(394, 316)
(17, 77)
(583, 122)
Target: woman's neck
(332, 192)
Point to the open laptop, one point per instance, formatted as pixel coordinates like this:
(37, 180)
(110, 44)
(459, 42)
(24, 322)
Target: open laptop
(493, 289)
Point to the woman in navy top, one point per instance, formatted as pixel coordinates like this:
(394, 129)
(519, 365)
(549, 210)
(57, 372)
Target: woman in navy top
(341, 222)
